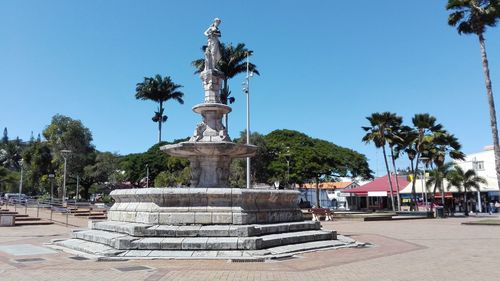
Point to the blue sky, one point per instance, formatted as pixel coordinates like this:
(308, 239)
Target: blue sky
(325, 66)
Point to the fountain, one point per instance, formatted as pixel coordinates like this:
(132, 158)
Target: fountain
(207, 219)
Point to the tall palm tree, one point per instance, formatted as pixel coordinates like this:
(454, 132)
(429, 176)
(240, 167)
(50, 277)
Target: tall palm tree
(464, 180)
(394, 138)
(232, 63)
(442, 144)
(424, 126)
(378, 133)
(159, 89)
(437, 176)
(472, 17)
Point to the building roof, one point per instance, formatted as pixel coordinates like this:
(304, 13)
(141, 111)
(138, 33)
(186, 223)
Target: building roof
(380, 184)
(328, 185)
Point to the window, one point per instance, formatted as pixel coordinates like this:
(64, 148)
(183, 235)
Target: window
(478, 165)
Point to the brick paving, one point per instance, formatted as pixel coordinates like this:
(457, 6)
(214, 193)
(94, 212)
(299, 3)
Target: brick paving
(434, 249)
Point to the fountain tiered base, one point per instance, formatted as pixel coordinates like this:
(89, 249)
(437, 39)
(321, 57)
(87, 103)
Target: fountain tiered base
(208, 219)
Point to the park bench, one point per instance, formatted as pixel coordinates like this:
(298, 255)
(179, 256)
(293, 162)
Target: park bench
(318, 213)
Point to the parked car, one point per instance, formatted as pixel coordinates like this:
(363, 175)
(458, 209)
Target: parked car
(14, 198)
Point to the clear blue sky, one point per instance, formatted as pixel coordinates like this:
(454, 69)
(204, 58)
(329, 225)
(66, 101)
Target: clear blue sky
(325, 66)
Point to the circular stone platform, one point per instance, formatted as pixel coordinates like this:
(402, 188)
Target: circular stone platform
(183, 206)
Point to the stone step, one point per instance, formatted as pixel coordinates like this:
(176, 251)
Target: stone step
(145, 230)
(275, 252)
(122, 241)
(88, 247)
(27, 218)
(103, 217)
(274, 240)
(111, 239)
(31, 222)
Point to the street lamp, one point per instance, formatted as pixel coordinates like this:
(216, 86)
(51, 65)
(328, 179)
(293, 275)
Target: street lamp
(424, 186)
(287, 158)
(51, 177)
(147, 175)
(246, 91)
(20, 181)
(64, 154)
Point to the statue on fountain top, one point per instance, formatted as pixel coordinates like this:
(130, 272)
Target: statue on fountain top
(212, 52)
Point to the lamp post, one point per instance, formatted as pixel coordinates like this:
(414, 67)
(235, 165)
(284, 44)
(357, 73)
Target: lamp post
(20, 182)
(287, 158)
(147, 175)
(424, 186)
(77, 188)
(51, 177)
(246, 91)
(64, 154)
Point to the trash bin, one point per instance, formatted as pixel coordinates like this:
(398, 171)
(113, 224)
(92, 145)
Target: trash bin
(439, 212)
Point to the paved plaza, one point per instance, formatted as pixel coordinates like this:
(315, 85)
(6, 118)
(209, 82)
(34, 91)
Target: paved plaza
(429, 249)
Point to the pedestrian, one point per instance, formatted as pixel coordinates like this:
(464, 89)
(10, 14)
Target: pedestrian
(491, 207)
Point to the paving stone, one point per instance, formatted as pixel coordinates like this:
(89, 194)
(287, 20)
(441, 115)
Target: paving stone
(137, 253)
(172, 254)
(204, 254)
(229, 254)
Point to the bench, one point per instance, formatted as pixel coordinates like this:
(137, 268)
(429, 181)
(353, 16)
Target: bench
(317, 213)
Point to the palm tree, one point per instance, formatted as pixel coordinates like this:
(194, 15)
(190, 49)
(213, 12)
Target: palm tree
(464, 180)
(442, 144)
(424, 126)
(379, 132)
(159, 89)
(437, 175)
(393, 139)
(232, 63)
(406, 144)
(472, 17)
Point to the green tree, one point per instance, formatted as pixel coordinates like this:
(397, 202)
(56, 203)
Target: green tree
(418, 140)
(134, 165)
(311, 159)
(11, 155)
(65, 133)
(437, 176)
(465, 181)
(258, 165)
(380, 132)
(394, 138)
(232, 63)
(37, 162)
(172, 178)
(159, 89)
(5, 138)
(103, 172)
(442, 144)
(473, 17)
(8, 179)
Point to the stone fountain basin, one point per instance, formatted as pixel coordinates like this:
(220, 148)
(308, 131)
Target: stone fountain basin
(219, 107)
(205, 206)
(222, 148)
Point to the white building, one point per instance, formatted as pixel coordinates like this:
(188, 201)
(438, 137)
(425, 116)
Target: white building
(484, 164)
(330, 194)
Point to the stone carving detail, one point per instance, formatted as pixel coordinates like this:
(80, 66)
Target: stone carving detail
(194, 164)
(212, 52)
(210, 149)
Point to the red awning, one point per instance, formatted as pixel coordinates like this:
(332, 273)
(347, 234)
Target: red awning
(446, 195)
(380, 184)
